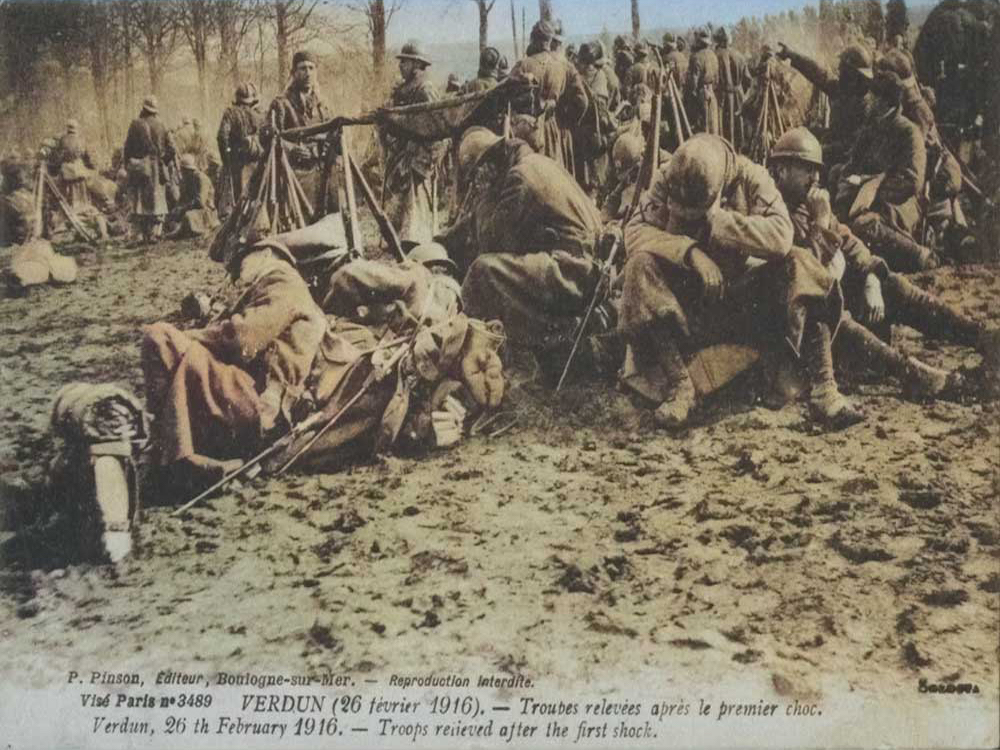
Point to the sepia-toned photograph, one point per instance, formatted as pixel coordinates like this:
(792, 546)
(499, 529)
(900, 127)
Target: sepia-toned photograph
(499, 373)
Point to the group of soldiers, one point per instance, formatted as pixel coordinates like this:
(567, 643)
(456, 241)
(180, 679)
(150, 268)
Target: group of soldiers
(584, 227)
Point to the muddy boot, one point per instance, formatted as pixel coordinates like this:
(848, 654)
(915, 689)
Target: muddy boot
(932, 316)
(826, 404)
(675, 410)
(920, 381)
(901, 252)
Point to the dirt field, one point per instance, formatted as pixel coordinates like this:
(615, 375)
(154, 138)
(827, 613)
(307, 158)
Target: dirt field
(581, 543)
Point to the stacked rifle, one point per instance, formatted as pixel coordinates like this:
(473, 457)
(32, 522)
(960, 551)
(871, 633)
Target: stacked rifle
(771, 123)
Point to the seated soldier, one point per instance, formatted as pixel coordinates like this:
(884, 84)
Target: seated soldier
(194, 215)
(878, 190)
(872, 292)
(710, 256)
(17, 202)
(526, 235)
(215, 392)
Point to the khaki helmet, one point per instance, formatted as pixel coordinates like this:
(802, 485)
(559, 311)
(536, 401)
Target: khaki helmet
(412, 51)
(432, 254)
(669, 39)
(149, 104)
(721, 36)
(798, 144)
(489, 58)
(696, 174)
(856, 57)
(627, 151)
(475, 141)
(188, 162)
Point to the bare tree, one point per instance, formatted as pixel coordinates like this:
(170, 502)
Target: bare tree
(484, 20)
(635, 19)
(194, 17)
(291, 22)
(100, 30)
(379, 14)
(157, 23)
(545, 10)
(233, 21)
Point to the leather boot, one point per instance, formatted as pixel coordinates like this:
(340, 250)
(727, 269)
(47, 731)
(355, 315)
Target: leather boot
(676, 408)
(920, 381)
(826, 403)
(901, 252)
(932, 316)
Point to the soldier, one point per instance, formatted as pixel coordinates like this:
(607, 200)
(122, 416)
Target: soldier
(643, 71)
(614, 84)
(17, 202)
(873, 293)
(560, 99)
(239, 146)
(527, 235)
(734, 82)
(675, 61)
(301, 105)
(592, 137)
(411, 166)
(699, 89)
(453, 87)
(194, 215)
(72, 164)
(488, 75)
(879, 188)
(148, 150)
(709, 255)
(847, 90)
(183, 134)
(217, 393)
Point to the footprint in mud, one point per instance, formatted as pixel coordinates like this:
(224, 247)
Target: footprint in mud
(859, 552)
(946, 598)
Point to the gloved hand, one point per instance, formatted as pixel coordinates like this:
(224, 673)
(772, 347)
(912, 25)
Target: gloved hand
(874, 304)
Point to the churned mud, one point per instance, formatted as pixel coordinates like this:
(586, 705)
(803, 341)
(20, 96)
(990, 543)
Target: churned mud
(581, 543)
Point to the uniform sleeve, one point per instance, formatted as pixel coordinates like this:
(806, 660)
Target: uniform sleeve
(766, 232)
(367, 283)
(818, 75)
(645, 232)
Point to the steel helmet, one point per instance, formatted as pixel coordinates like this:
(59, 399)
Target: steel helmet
(474, 142)
(798, 144)
(696, 174)
(432, 254)
(856, 57)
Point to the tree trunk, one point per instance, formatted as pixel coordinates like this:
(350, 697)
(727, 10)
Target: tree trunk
(484, 20)
(545, 10)
(635, 20)
(281, 41)
(376, 20)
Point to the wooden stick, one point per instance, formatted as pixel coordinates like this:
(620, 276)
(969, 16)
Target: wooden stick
(385, 226)
(64, 207)
(353, 228)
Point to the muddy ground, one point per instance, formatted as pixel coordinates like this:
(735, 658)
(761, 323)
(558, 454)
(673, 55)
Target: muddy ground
(580, 544)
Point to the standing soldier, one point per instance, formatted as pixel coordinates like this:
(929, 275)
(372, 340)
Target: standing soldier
(560, 99)
(734, 81)
(675, 61)
(298, 106)
(643, 70)
(488, 75)
(71, 162)
(702, 81)
(591, 139)
(847, 90)
(454, 86)
(411, 166)
(147, 151)
(239, 146)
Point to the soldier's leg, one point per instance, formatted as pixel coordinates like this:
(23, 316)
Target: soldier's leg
(920, 381)
(826, 403)
(900, 251)
(909, 305)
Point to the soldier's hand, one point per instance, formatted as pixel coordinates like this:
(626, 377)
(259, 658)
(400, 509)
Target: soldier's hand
(709, 273)
(874, 309)
(818, 203)
(783, 52)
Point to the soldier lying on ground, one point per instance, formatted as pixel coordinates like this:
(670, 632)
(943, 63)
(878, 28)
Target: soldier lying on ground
(873, 293)
(526, 235)
(710, 258)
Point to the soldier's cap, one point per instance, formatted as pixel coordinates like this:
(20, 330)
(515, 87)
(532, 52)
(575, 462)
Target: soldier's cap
(432, 254)
(696, 173)
(857, 58)
(72, 126)
(489, 58)
(591, 53)
(641, 49)
(303, 56)
(188, 162)
(246, 93)
(149, 104)
(627, 151)
(543, 31)
(412, 51)
(721, 35)
(668, 39)
(475, 141)
(798, 144)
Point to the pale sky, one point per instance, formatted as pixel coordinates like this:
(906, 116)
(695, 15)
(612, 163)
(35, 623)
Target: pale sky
(458, 20)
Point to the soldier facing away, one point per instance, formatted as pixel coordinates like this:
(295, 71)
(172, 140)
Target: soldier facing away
(239, 145)
(148, 150)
